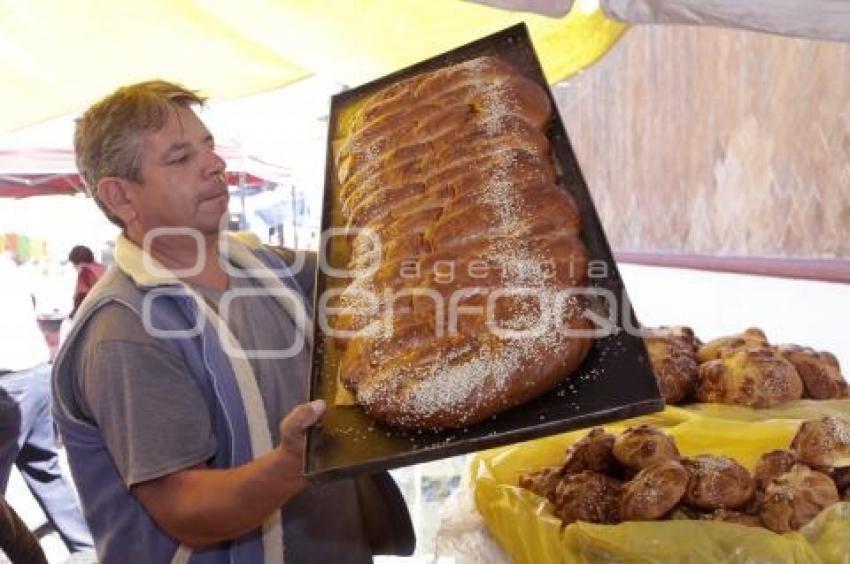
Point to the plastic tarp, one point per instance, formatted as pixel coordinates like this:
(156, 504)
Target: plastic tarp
(58, 57)
(815, 19)
(526, 529)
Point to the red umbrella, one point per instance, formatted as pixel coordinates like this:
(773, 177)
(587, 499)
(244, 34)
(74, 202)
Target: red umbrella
(39, 172)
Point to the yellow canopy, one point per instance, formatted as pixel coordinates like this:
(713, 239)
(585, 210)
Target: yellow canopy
(56, 57)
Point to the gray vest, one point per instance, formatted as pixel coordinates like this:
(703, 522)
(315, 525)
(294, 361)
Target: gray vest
(123, 530)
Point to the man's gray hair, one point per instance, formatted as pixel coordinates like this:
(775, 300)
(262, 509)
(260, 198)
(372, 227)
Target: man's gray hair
(108, 137)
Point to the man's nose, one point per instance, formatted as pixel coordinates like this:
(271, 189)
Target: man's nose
(215, 164)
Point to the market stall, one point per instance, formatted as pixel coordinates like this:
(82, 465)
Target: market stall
(700, 161)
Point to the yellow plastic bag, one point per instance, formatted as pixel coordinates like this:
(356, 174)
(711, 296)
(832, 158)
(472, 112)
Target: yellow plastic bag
(525, 527)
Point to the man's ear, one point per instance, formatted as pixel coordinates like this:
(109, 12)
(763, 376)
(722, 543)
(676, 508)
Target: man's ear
(114, 193)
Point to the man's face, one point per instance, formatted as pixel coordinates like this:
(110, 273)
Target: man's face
(183, 178)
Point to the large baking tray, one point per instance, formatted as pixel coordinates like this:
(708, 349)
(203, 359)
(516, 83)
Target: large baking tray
(614, 382)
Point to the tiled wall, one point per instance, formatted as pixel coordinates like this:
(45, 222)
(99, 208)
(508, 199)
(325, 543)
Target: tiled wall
(699, 140)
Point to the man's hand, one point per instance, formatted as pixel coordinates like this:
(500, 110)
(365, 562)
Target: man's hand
(292, 429)
(200, 506)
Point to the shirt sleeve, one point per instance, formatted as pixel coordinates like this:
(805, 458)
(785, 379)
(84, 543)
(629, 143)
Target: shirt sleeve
(138, 391)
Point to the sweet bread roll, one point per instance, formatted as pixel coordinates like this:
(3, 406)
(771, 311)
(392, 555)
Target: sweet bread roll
(751, 338)
(543, 482)
(819, 371)
(450, 179)
(588, 496)
(717, 482)
(644, 446)
(672, 355)
(751, 377)
(795, 498)
(593, 453)
(773, 464)
(680, 336)
(823, 443)
(654, 492)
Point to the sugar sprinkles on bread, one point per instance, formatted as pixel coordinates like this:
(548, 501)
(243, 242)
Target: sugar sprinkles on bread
(454, 166)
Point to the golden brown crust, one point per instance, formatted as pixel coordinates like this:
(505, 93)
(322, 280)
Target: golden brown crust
(543, 482)
(784, 495)
(452, 169)
(593, 453)
(819, 371)
(654, 492)
(672, 353)
(644, 446)
(773, 464)
(751, 377)
(795, 498)
(823, 443)
(717, 482)
(682, 336)
(423, 108)
(588, 496)
(751, 338)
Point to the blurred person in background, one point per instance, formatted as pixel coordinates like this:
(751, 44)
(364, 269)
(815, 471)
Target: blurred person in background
(27, 439)
(89, 272)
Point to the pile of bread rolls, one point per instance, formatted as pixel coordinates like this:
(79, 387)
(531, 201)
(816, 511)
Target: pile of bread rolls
(739, 369)
(641, 476)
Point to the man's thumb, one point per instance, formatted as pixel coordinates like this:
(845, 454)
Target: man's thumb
(298, 420)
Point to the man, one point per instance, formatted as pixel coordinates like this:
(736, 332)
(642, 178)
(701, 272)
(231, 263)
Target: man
(27, 439)
(171, 387)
